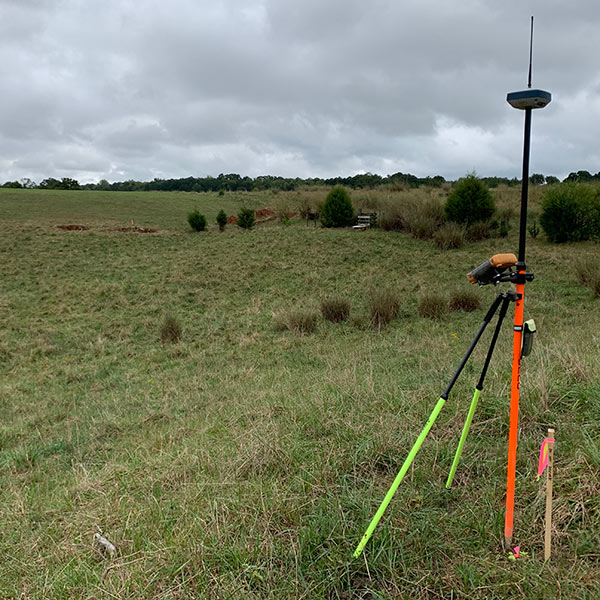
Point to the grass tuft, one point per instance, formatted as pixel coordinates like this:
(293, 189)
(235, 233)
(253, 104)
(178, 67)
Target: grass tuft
(335, 309)
(298, 320)
(433, 306)
(384, 305)
(170, 330)
(587, 270)
(465, 300)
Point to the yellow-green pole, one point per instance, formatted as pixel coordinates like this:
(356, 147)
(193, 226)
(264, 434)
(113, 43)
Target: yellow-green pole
(463, 437)
(411, 455)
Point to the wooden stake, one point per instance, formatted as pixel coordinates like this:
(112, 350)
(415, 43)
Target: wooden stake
(549, 480)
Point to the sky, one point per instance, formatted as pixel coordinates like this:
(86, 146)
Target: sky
(138, 89)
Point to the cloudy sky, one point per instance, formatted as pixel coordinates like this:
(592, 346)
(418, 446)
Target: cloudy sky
(122, 89)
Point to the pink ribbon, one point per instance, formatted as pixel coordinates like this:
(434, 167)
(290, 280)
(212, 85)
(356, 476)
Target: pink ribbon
(543, 460)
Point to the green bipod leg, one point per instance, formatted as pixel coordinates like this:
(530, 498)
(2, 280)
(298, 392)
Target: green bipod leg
(463, 437)
(400, 476)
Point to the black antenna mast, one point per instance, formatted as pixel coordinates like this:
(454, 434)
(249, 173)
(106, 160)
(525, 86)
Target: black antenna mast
(530, 52)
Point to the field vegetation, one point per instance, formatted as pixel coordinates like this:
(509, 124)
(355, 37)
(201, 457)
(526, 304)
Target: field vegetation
(183, 395)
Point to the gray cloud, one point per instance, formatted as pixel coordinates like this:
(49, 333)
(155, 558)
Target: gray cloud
(127, 89)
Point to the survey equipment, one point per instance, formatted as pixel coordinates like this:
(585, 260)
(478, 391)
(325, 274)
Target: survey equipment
(500, 268)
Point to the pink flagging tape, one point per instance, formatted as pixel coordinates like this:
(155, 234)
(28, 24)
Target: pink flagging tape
(543, 460)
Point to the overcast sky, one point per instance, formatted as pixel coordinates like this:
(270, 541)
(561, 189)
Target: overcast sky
(123, 89)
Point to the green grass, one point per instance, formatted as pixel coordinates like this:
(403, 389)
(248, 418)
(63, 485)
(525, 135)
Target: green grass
(246, 462)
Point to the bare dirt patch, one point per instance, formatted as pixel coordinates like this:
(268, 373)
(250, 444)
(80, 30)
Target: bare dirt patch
(135, 229)
(72, 227)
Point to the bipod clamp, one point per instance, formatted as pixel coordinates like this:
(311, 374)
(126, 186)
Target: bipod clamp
(498, 269)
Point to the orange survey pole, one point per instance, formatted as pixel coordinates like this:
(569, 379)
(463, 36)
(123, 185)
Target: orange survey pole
(514, 416)
(526, 100)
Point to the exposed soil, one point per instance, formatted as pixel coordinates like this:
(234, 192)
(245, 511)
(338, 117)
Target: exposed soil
(263, 213)
(136, 229)
(72, 227)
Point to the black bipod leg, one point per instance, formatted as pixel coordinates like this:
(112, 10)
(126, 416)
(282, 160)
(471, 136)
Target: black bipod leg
(488, 317)
(507, 298)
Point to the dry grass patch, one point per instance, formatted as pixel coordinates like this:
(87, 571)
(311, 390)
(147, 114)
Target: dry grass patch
(465, 300)
(384, 306)
(298, 320)
(335, 309)
(587, 271)
(170, 330)
(433, 306)
(449, 236)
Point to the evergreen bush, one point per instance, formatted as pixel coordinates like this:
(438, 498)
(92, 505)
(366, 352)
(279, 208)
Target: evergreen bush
(246, 218)
(337, 210)
(221, 220)
(197, 221)
(470, 202)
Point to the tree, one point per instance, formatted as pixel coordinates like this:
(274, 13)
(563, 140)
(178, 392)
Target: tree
(551, 180)
(537, 179)
(470, 201)
(221, 220)
(337, 210)
(246, 218)
(50, 184)
(197, 221)
(579, 177)
(66, 183)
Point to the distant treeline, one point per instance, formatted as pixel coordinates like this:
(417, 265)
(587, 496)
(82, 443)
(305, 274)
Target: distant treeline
(233, 182)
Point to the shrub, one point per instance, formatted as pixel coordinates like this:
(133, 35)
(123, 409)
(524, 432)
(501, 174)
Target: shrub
(571, 213)
(304, 206)
(221, 220)
(299, 320)
(533, 229)
(337, 210)
(465, 300)
(335, 309)
(282, 209)
(197, 221)
(449, 235)
(246, 218)
(384, 306)
(170, 330)
(433, 306)
(469, 202)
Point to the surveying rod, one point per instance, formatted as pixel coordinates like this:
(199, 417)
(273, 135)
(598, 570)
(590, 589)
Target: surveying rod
(526, 100)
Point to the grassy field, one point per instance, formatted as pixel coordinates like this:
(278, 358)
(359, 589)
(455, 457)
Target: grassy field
(246, 462)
